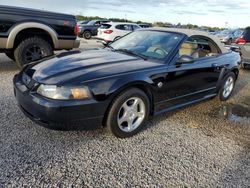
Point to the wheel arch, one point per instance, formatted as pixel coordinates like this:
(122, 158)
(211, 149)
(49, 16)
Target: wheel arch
(30, 25)
(235, 71)
(142, 85)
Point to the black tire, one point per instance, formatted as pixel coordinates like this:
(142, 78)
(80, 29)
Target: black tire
(112, 115)
(32, 49)
(222, 95)
(10, 54)
(87, 35)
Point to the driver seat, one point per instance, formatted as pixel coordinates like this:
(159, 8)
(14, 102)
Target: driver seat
(190, 49)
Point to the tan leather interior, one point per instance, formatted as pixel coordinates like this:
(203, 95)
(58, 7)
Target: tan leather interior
(188, 49)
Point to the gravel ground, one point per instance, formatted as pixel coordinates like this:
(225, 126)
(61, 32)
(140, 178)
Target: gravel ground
(193, 147)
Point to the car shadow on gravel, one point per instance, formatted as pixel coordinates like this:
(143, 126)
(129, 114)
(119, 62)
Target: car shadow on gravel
(7, 65)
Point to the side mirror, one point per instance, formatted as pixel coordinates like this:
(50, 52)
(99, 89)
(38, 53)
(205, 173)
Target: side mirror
(184, 59)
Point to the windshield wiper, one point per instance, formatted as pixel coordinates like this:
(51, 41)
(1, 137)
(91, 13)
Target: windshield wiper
(108, 46)
(131, 53)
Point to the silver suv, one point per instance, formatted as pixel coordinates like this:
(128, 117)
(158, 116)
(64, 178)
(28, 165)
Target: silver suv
(244, 43)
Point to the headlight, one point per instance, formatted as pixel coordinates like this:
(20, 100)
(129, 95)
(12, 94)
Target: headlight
(63, 93)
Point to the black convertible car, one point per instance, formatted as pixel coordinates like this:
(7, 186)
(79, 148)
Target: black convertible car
(145, 73)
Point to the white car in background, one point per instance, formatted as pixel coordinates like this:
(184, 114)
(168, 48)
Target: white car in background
(111, 31)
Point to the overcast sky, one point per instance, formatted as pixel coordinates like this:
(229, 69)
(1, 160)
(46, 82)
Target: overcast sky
(201, 12)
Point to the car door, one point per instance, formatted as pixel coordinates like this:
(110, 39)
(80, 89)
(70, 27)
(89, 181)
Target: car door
(191, 81)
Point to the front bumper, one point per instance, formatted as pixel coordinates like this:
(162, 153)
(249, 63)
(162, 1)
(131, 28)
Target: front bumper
(59, 114)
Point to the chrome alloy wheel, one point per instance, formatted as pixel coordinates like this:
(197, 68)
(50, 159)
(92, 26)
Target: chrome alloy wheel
(228, 87)
(131, 114)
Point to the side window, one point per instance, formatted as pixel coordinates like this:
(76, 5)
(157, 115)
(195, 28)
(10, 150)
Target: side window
(199, 47)
(135, 27)
(128, 27)
(124, 27)
(97, 23)
(246, 35)
(103, 22)
(237, 33)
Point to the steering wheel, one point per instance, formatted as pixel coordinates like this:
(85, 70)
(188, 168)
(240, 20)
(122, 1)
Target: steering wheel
(161, 51)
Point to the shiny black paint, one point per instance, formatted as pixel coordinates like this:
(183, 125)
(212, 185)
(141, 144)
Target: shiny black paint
(58, 114)
(10, 16)
(107, 73)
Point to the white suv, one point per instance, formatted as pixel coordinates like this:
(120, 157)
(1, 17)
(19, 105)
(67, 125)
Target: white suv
(113, 30)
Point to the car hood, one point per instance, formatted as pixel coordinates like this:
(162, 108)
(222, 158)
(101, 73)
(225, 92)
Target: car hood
(80, 66)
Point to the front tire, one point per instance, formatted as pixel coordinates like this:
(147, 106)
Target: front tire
(227, 87)
(128, 113)
(32, 49)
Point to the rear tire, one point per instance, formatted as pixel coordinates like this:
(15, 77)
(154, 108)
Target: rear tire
(227, 87)
(128, 113)
(87, 35)
(10, 54)
(32, 49)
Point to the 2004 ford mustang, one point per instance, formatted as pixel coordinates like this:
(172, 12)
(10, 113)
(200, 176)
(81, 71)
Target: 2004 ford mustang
(144, 73)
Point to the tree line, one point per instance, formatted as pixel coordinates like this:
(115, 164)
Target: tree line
(158, 24)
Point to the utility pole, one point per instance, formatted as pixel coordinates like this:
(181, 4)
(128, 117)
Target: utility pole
(226, 24)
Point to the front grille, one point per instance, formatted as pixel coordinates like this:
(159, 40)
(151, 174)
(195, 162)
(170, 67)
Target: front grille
(28, 81)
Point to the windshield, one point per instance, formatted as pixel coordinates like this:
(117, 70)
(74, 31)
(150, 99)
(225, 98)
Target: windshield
(149, 44)
(91, 22)
(82, 22)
